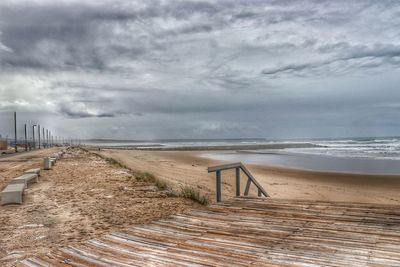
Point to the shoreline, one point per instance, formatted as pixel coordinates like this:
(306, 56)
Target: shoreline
(188, 167)
(244, 149)
(313, 163)
(155, 147)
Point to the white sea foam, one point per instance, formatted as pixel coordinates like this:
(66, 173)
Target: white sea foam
(365, 148)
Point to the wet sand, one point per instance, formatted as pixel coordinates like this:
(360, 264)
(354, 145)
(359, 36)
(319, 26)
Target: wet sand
(180, 168)
(313, 162)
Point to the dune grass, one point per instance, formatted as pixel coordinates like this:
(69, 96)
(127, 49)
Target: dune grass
(115, 162)
(193, 194)
(185, 191)
(150, 178)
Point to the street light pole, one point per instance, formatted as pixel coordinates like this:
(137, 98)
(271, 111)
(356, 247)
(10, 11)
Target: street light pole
(39, 135)
(33, 135)
(26, 140)
(15, 130)
(43, 137)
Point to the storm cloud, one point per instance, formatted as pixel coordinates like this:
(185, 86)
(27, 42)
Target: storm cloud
(201, 69)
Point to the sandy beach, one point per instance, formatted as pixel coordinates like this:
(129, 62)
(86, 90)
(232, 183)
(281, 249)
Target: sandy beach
(82, 197)
(87, 195)
(180, 168)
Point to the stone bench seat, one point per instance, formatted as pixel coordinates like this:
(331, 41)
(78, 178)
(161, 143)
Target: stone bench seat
(47, 163)
(36, 170)
(12, 194)
(25, 179)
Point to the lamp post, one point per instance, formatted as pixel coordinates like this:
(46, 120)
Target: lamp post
(39, 135)
(26, 140)
(33, 135)
(15, 131)
(44, 138)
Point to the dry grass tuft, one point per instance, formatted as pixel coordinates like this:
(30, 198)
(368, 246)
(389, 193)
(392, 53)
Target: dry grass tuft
(194, 194)
(185, 192)
(150, 178)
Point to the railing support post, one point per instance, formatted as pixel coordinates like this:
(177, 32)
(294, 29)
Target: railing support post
(247, 189)
(218, 186)
(239, 167)
(238, 182)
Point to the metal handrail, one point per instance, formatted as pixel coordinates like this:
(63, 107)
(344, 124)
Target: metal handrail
(238, 166)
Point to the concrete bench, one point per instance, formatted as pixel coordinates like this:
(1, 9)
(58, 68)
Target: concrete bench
(25, 179)
(12, 194)
(37, 171)
(47, 163)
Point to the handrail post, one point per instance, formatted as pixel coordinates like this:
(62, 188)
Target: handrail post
(239, 167)
(218, 173)
(247, 189)
(238, 182)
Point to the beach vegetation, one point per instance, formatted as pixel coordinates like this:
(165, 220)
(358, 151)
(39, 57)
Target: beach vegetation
(186, 191)
(150, 178)
(194, 194)
(115, 162)
(109, 160)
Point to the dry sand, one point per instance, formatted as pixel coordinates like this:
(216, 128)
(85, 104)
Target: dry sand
(187, 168)
(82, 197)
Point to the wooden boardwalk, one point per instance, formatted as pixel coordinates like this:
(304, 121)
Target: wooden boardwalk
(249, 232)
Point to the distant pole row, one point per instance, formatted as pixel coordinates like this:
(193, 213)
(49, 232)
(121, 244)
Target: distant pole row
(45, 138)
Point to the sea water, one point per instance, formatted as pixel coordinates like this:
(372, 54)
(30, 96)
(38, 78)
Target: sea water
(356, 155)
(349, 155)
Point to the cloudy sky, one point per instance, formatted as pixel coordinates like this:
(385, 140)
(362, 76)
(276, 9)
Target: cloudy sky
(201, 69)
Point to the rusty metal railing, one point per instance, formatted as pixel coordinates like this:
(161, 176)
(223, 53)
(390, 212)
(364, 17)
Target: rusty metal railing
(239, 167)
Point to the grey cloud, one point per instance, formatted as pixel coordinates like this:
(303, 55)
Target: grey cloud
(193, 29)
(378, 51)
(187, 69)
(81, 35)
(79, 113)
(294, 67)
(61, 36)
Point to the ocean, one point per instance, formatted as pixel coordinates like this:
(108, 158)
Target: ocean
(348, 155)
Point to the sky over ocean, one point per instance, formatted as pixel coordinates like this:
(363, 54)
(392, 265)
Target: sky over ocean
(201, 69)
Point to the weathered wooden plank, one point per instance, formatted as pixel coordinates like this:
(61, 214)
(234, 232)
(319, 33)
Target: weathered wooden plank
(250, 232)
(225, 167)
(246, 171)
